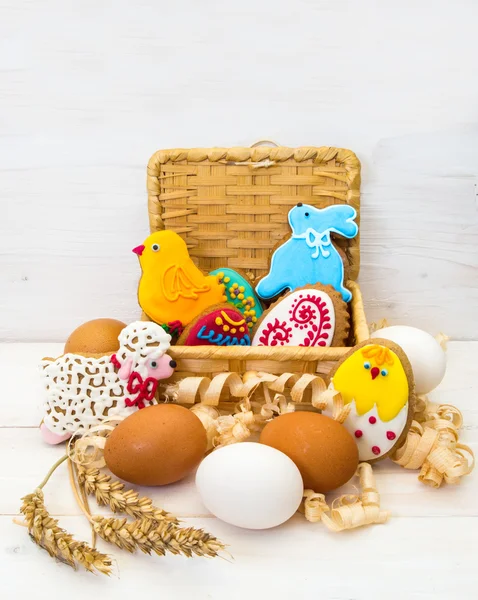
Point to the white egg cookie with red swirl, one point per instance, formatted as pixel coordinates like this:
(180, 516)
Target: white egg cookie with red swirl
(313, 315)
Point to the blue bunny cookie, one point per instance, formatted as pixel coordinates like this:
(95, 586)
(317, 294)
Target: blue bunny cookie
(309, 256)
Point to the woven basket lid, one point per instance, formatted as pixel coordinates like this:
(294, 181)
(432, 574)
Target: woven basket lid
(231, 204)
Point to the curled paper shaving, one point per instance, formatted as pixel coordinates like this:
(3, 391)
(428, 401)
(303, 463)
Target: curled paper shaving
(262, 397)
(248, 418)
(235, 428)
(373, 327)
(442, 339)
(276, 406)
(340, 411)
(209, 391)
(86, 449)
(432, 445)
(208, 416)
(348, 511)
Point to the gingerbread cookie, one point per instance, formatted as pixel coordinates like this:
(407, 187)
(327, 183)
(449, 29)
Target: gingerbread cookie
(313, 315)
(309, 255)
(81, 391)
(171, 286)
(240, 293)
(376, 378)
(222, 325)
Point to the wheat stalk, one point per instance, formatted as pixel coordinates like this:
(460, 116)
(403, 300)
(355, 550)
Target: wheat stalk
(149, 535)
(111, 492)
(153, 531)
(45, 531)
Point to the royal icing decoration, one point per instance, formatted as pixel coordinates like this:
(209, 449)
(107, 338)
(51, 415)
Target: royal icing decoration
(171, 286)
(81, 392)
(225, 326)
(374, 381)
(241, 294)
(303, 318)
(309, 256)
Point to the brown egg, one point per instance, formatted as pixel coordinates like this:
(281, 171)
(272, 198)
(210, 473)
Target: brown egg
(323, 450)
(156, 445)
(99, 336)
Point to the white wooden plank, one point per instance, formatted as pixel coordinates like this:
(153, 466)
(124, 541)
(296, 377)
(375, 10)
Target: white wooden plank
(22, 402)
(407, 558)
(81, 118)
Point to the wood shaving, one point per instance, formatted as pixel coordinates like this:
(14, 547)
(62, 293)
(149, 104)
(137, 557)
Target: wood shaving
(251, 385)
(442, 339)
(373, 327)
(248, 418)
(263, 397)
(348, 511)
(432, 445)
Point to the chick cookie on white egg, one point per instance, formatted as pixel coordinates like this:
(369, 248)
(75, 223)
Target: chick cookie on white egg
(376, 378)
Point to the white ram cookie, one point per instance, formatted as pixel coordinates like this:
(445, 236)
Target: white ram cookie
(139, 341)
(82, 391)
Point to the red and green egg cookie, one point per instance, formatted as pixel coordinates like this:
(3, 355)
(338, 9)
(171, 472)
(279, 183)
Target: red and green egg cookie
(240, 293)
(222, 325)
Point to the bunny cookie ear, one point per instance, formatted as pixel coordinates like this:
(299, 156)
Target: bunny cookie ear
(340, 220)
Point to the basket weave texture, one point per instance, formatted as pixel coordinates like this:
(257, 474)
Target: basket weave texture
(231, 206)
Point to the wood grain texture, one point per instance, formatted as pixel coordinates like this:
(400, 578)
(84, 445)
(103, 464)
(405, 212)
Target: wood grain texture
(88, 91)
(427, 550)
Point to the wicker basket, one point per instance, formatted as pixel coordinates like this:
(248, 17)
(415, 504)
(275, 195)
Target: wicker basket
(231, 205)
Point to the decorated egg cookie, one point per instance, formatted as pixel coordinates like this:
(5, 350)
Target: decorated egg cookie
(171, 287)
(240, 293)
(376, 378)
(222, 325)
(309, 256)
(309, 316)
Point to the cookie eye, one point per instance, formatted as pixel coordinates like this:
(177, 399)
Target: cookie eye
(306, 214)
(153, 364)
(384, 372)
(155, 247)
(366, 365)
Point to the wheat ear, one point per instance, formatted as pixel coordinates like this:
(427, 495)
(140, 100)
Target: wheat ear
(148, 534)
(45, 532)
(111, 492)
(156, 536)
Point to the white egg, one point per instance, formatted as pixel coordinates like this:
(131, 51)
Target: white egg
(425, 354)
(250, 485)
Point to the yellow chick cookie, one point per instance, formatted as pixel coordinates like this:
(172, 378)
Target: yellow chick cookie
(376, 378)
(171, 286)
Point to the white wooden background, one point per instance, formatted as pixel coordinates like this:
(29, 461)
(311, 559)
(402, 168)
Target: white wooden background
(89, 90)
